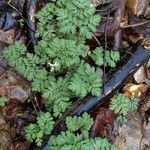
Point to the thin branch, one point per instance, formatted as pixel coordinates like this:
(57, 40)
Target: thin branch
(136, 25)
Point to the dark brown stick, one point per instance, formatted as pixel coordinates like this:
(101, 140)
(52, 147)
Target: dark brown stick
(119, 13)
(30, 14)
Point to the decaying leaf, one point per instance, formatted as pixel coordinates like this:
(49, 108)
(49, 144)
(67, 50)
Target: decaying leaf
(7, 37)
(145, 105)
(103, 123)
(143, 74)
(146, 130)
(14, 87)
(21, 145)
(143, 8)
(13, 108)
(133, 90)
(140, 75)
(5, 136)
(130, 136)
(19, 115)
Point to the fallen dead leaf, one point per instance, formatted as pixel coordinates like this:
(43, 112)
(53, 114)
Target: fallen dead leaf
(21, 145)
(103, 123)
(145, 106)
(13, 86)
(133, 90)
(130, 136)
(7, 37)
(146, 130)
(140, 75)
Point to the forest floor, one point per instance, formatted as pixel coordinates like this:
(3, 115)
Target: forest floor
(123, 27)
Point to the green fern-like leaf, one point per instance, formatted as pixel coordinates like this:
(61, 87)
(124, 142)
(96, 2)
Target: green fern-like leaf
(85, 80)
(97, 56)
(57, 95)
(83, 123)
(43, 126)
(63, 55)
(121, 105)
(111, 57)
(3, 101)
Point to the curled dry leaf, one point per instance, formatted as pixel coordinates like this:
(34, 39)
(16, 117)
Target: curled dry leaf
(140, 75)
(103, 123)
(133, 90)
(143, 74)
(138, 8)
(146, 43)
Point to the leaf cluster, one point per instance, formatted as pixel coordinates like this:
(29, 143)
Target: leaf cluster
(121, 105)
(73, 140)
(36, 131)
(3, 101)
(76, 17)
(58, 68)
(109, 57)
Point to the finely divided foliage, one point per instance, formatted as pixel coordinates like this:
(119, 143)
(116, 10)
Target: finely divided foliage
(43, 126)
(121, 105)
(73, 140)
(3, 101)
(58, 68)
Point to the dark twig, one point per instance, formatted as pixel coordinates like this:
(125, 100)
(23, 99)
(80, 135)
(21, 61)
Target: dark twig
(136, 25)
(105, 46)
(30, 14)
(118, 16)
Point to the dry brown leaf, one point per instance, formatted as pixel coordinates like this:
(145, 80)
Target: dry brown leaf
(22, 145)
(143, 8)
(140, 75)
(7, 37)
(133, 90)
(103, 123)
(13, 86)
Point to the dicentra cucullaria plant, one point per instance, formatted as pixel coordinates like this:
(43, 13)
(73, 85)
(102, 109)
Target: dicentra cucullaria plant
(58, 68)
(121, 105)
